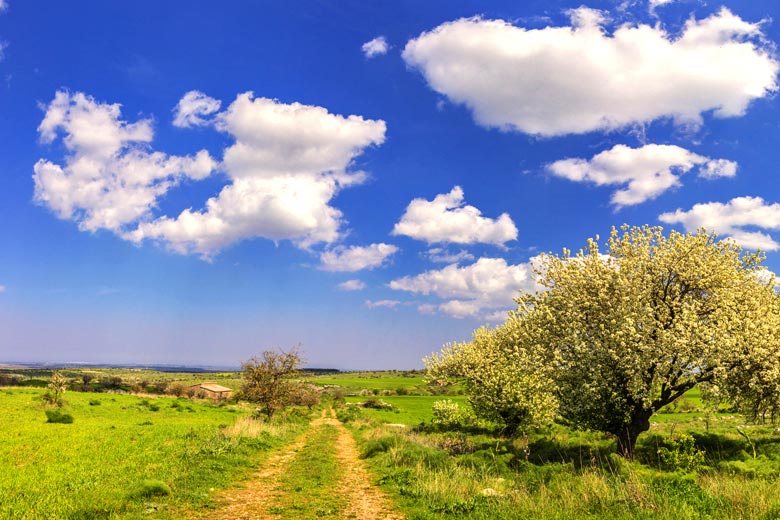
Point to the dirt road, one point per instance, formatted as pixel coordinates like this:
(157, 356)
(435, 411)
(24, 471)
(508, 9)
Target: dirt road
(343, 489)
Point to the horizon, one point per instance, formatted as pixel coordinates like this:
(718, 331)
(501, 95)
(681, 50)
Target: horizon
(191, 184)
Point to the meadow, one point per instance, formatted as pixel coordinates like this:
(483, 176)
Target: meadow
(133, 456)
(124, 456)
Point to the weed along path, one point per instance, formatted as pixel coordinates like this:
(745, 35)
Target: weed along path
(318, 475)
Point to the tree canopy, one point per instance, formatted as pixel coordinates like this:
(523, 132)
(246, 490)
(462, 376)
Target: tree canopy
(618, 335)
(267, 379)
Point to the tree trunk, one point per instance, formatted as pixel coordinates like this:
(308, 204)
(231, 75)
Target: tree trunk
(626, 438)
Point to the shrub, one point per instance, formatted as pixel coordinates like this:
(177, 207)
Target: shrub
(681, 455)
(449, 415)
(55, 416)
(94, 402)
(376, 404)
(152, 488)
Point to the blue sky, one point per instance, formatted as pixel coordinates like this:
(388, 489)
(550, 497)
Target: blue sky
(193, 183)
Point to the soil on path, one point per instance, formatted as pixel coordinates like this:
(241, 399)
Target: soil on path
(256, 498)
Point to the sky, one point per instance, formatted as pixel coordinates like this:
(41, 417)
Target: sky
(191, 182)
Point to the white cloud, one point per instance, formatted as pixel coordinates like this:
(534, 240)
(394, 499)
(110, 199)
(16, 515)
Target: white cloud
(765, 276)
(444, 256)
(646, 172)
(3, 5)
(487, 286)
(2, 288)
(356, 258)
(381, 303)
(736, 219)
(563, 80)
(286, 165)
(352, 285)
(110, 177)
(447, 219)
(190, 109)
(376, 47)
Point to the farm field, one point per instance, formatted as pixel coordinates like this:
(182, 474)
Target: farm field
(138, 456)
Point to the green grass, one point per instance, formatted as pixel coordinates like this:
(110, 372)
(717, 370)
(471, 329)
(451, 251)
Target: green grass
(94, 468)
(355, 381)
(410, 410)
(310, 482)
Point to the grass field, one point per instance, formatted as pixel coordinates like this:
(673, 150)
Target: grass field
(106, 464)
(352, 381)
(128, 456)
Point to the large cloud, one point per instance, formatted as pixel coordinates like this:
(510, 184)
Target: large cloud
(736, 219)
(562, 80)
(447, 219)
(286, 165)
(646, 172)
(356, 258)
(484, 287)
(110, 177)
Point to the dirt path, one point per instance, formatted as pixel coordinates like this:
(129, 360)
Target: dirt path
(260, 497)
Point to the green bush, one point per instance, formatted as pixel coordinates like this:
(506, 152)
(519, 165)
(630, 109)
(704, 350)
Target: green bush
(681, 455)
(55, 416)
(152, 488)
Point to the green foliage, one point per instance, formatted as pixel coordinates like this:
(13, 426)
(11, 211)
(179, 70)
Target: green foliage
(506, 378)
(151, 488)
(450, 415)
(681, 454)
(56, 416)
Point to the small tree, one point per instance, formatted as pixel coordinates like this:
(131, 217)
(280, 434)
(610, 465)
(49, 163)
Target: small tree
(57, 386)
(304, 395)
(267, 379)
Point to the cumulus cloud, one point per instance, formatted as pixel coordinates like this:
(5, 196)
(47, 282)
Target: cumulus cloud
(110, 177)
(736, 219)
(356, 258)
(381, 303)
(483, 288)
(352, 285)
(376, 47)
(447, 219)
(192, 108)
(646, 172)
(286, 165)
(577, 79)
